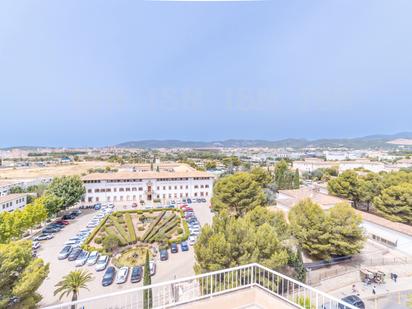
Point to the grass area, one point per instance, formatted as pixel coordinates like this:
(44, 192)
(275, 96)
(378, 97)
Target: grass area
(131, 257)
(162, 226)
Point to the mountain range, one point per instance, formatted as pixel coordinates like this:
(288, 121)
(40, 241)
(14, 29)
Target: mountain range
(371, 141)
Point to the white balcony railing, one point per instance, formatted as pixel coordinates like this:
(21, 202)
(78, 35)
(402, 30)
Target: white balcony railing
(188, 290)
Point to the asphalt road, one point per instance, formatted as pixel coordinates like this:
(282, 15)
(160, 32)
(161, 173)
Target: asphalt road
(390, 301)
(179, 265)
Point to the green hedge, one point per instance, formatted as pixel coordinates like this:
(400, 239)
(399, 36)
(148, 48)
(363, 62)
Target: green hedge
(130, 228)
(153, 224)
(94, 232)
(121, 230)
(165, 228)
(156, 229)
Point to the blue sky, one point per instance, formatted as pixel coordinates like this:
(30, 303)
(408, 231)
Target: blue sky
(76, 73)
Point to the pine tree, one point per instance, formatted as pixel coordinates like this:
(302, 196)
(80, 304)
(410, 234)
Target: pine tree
(147, 294)
(296, 180)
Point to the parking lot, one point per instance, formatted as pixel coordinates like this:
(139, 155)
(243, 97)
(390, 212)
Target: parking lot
(178, 265)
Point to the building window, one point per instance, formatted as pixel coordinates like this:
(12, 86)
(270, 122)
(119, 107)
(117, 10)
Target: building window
(206, 186)
(96, 190)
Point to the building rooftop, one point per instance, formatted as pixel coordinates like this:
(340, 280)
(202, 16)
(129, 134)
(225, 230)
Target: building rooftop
(295, 196)
(396, 226)
(145, 175)
(11, 197)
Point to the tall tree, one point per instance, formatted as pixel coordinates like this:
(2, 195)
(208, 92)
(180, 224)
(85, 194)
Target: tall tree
(296, 180)
(72, 283)
(52, 203)
(231, 241)
(14, 224)
(395, 203)
(346, 185)
(69, 189)
(344, 228)
(237, 193)
(147, 280)
(261, 176)
(21, 275)
(336, 231)
(308, 225)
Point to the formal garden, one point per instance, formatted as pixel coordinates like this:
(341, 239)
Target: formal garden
(127, 235)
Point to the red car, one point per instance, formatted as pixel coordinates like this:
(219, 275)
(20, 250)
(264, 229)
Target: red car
(188, 209)
(183, 206)
(65, 222)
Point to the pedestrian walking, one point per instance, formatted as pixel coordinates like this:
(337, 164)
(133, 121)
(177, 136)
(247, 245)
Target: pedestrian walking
(395, 277)
(374, 290)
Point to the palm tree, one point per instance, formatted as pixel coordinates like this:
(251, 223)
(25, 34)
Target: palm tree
(72, 283)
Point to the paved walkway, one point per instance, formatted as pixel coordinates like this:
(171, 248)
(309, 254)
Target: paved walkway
(365, 292)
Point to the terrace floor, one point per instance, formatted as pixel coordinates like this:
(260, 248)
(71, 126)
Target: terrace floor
(248, 298)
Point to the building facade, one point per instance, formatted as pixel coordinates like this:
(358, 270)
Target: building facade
(12, 202)
(159, 187)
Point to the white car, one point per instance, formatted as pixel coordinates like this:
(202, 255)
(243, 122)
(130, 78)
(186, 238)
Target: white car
(35, 245)
(94, 255)
(71, 242)
(122, 275)
(102, 262)
(111, 206)
(82, 258)
(152, 267)
(192, 240)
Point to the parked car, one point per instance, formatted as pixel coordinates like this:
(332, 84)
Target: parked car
(43, 237)
(94, 255)
(64, 253)
(97, 207)
(35, 245)
(77, 212)
(152, 267)
(102, 262)
(64, 222)
(82, 258)
(136, 275)
(189, 201)
(134, 205)
(74, 254)
(50, 230)
(192, 240)
(353, 300)
(55, 225)
(164, 255)
(69, 217)
(109, 276)
(122, 275)
(184, 246)
(174, 248)
(112, 205)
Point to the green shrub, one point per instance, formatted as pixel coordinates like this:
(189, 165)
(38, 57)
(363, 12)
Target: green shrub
(153, 225)
(130, 228)
(96, 230)
(121, 230)
(98, 240)
(140, 228)
(179, 230)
